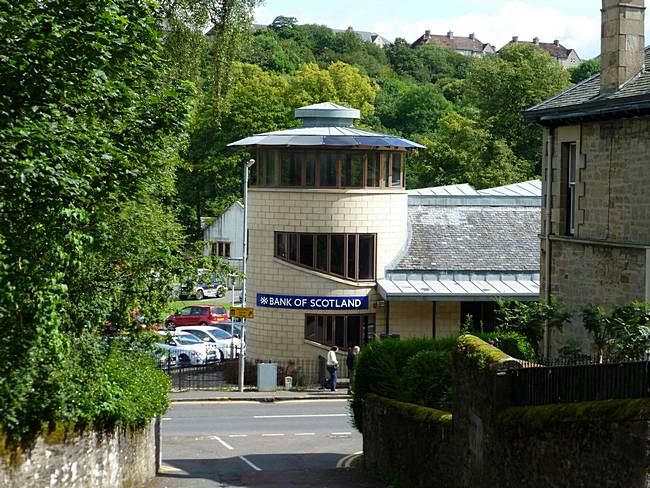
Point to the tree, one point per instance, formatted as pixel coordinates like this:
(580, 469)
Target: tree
(461, 151)
(88, 147)
(281, 24)
(504, 85)
(585, 70)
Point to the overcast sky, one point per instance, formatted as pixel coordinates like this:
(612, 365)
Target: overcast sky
(576, 23)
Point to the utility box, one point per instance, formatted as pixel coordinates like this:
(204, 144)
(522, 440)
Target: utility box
(267, 376)
(288, 382)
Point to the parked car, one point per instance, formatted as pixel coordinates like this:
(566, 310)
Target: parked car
(197, 315)
(208, 285)
(187, 348)
(229, 346)
(231, 326)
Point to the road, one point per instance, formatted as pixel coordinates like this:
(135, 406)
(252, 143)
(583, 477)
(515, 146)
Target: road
(250, 444)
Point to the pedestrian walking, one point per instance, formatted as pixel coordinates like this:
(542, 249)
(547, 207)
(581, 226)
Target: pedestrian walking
(332, 366)
(351, 360)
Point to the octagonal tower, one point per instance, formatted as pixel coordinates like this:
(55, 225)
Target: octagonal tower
(327, 213)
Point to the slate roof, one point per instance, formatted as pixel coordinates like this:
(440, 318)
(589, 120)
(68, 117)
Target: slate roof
(452, 42)
(471, 238)
(556, 50)
(584, 101)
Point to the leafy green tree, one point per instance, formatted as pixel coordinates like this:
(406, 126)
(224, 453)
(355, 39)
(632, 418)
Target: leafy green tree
(622, 333)
(504, 85)
(529, 318)
(282, 24)
(417, 109)
(405, 61)
(461, 151)
(585, 70)
(89, 137)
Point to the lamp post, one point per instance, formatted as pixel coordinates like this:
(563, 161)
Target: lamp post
(247, 166)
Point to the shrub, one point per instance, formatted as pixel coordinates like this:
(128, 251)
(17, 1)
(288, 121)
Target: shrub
(512, 343)
(427, 379)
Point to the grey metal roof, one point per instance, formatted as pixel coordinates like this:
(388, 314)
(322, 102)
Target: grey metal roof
(459, 286)
(319, 131)
(527, 194)
(585, 100)
(471, 238)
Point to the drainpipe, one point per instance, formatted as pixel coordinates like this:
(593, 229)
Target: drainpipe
(548, 206)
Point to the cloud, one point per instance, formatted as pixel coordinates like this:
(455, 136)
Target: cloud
(512, 18)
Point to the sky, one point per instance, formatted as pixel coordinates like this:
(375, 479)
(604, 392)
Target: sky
(576, 23)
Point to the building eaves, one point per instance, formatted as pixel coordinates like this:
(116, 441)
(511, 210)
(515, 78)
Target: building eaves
(585, 102)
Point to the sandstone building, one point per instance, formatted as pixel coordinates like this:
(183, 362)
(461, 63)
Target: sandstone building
(340, 252)
(595, 245)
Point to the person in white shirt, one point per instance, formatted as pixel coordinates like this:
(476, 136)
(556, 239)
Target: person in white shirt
(332, 365)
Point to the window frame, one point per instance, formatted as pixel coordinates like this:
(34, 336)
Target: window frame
(569, 169)
(267, 157)
(346, 236)
(325, 328)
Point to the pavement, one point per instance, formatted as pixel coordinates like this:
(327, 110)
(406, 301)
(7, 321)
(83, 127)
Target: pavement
(260, 396)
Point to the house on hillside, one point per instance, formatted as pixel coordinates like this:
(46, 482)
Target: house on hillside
(595, 245)
(223, 235)
(464, 249)
(468, 46)
(568, 58)
(367, 36)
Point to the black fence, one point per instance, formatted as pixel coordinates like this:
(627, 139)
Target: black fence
(589, 380)
(303, 372)
(204, 377)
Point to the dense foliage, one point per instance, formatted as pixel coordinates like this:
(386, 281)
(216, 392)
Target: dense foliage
(467, 111)
(621, 333)
(418, 370)
(93, 115)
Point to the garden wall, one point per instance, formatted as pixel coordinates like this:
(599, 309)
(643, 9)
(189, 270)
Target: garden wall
(486, 443)
(122, 458)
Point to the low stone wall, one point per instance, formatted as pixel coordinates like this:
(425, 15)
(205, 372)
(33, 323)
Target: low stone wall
(407, 444)
(486, 443)
(122, 458)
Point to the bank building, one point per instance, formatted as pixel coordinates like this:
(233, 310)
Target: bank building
(341, 253)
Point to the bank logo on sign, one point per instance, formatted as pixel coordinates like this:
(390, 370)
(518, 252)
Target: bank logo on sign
(312, 303)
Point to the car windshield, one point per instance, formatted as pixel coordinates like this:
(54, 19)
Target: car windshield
(220, 334)
(187, 339)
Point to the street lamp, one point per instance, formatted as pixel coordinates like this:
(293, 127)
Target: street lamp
(247, 166)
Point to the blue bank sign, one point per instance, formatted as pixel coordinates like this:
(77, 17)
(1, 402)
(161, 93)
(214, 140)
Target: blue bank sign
(312, 303)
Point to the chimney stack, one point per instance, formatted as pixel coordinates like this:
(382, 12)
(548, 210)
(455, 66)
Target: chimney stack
(450, 35)
(471, 36)
(556, 42)
(427, 34)
(535, 40)
(622, 42)
(515, 39)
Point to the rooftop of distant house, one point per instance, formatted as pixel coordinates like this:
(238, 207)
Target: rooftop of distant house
(555, 48)
(451, 41)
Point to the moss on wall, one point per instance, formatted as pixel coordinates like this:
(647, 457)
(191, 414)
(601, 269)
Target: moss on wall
(479, 352)
(541, 416)
(416, 412)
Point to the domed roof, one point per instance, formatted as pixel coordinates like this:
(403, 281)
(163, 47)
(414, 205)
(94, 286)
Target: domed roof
(326, 124)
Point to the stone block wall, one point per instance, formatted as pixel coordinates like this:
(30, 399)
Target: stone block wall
(122, 458)
(487, 443)
(279, 333)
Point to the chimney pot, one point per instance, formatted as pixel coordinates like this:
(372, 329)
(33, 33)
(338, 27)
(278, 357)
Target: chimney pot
(450, 35)
(471, 36)
(556, 42)
(427, 33)
(515, 38)
(622, 42)
(535, 40)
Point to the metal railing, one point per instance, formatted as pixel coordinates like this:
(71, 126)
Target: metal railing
(571, 381)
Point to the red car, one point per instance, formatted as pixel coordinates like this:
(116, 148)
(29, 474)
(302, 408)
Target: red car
(198, 315)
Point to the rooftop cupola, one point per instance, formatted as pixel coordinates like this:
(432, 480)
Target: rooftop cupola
(327, 114)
